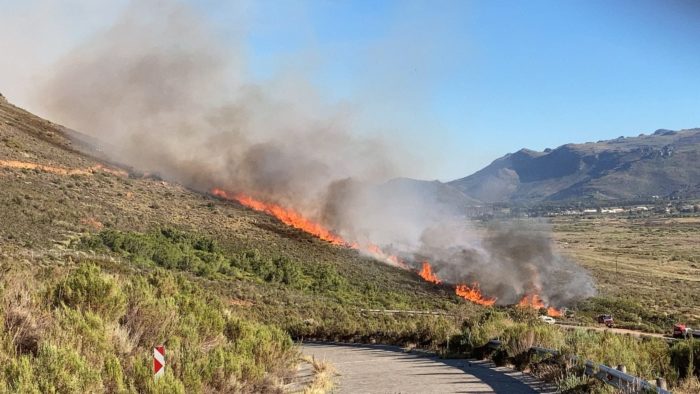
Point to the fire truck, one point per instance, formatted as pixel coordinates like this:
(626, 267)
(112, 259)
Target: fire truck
(683, 331)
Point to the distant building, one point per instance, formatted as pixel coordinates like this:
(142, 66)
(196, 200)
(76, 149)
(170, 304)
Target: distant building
(614, 210)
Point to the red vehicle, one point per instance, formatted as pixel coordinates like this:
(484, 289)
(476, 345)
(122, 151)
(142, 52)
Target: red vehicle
(606, 319)
(683, 331)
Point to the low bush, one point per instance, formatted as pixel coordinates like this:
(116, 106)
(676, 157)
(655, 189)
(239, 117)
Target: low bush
(102, 330)
(628, 313)
(647, 358)
(87, 288)
(685, 357)
(173, 249)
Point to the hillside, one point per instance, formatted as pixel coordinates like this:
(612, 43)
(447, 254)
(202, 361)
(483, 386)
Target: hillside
(665, 163)
(128, 261)
(100, 264)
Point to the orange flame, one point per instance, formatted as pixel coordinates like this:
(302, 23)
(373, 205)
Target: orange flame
(295, 219)
(286, 216)
(531, 301)
(474, 294)
(535, 301)
(554, 312)
(427, 273)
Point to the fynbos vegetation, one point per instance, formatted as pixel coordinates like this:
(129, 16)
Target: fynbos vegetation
(83, 330)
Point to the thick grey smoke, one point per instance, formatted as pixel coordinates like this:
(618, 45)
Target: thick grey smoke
(161, 89)
(422, 223)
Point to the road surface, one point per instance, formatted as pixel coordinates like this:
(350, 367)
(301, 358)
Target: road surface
(388, 369)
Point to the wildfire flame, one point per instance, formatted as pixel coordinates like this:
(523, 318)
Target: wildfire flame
(427, 273)
(295, 219)
(535, 301)
(287, 216)
(474, 294)
(531, 301)
(471, 293)
(554, 312)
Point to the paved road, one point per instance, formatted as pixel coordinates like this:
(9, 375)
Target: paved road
(388, 369)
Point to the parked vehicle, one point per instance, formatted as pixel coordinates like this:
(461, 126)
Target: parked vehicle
(606, 319)
(682, 331)
(547, 319)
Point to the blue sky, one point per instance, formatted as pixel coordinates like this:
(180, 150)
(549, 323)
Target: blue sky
(469, 81)
(497, 75)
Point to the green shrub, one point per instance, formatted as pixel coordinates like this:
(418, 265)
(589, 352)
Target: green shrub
(476, 333)
(63, 370)
(645, 357)
(84, 331)
(628, 313)
(685, 356)
(18, 376)
(143, 381)
(113, 376)
(89, 289)
(173, 249)
(518, 338)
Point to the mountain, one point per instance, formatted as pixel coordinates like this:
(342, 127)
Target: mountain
(664, 163)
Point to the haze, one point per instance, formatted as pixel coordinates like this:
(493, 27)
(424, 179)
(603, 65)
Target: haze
(451, 81)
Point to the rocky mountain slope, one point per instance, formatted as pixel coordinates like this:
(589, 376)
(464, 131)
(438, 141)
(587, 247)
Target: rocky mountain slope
(664, 163)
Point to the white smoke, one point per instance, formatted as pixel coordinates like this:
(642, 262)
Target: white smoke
(161, 89)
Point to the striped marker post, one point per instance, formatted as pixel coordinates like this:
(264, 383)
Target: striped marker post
(158, 361)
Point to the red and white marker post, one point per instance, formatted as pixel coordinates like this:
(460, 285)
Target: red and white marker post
(158, 361)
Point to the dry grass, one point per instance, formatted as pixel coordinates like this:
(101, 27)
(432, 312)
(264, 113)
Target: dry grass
(324, 376)
(652, 261)
(25, 322)
(688, 386)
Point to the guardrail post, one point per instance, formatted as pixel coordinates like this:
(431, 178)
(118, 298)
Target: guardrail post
(661, 383)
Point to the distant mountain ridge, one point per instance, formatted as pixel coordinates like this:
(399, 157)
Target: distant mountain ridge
(662, 164)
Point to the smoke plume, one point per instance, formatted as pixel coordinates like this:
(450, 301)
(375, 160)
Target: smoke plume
(161, 89)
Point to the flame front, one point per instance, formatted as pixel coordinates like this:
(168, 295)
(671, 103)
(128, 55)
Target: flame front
(287, 216)
(470, 293)
(535, 301)
(474, 294)
(554, 312)
(531, 301)
(295, 219)
(427, 273)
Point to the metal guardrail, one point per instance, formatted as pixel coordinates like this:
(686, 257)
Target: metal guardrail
(620, 379)
(615, 377)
